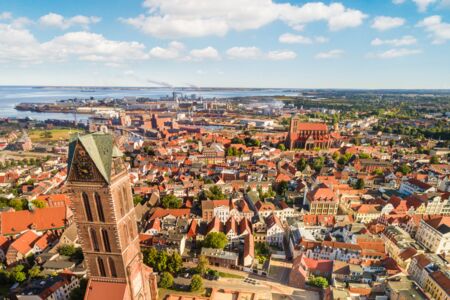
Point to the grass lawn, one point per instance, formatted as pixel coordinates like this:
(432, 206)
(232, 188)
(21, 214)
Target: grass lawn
(229, 275)
(52, 135)
(162, 293)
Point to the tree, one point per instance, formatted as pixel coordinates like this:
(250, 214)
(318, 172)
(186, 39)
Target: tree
(216, 240)
(318, 281)
(150, 257)
(171, 201)
(175, 262)
(17, 274)
(196, 283)
(67, 250)
(18, 204)
(282, 187)
(202, 265)
(318, 163)
(282, 147)
(34, 272)
(364, 155)
(404, 169)
(360, 184)
(137, 199)
(38, 203)
(166, 280)
(215, 193)
(301, 164)
(434, 160)
(161, 261)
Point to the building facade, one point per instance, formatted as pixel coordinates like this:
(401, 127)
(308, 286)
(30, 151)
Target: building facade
(308, 135)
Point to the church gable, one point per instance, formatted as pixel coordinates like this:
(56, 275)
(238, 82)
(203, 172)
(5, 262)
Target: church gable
(82, 167)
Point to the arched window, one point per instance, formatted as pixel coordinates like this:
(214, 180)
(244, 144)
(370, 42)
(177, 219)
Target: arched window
(122, 208)
(101, 267)
(125, 198)
(94, 240)
(106, 240)
(87, 207)
(126, 235)
(112, 267)
(98, 203)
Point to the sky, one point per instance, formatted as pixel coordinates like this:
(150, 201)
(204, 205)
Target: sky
(362, 44)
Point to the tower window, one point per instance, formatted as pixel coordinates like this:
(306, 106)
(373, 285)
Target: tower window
(98, 203)
(94, 240)
(125, 198)
(87, 207)
(112, 267)
(101, 267)
(106, 240)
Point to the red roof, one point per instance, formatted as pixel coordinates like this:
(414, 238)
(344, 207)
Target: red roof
(99, 290)
(39, 219)
(176, 212)
(312, 126)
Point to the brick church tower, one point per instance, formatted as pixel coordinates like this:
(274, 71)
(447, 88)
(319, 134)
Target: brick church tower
(100, 190)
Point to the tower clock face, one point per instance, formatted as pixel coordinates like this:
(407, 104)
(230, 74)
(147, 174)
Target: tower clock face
(84, 168)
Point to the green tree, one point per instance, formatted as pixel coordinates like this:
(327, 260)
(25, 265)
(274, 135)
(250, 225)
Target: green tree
(66, 250)
(434, 160)
(301, 164)
(404, 169)
(196, 283)
(282, 147)
(166, 280)
(216, 240)
(318, 281)
(364, 155)
(175, 262)
(171, 201)
(34, 272)
(38, 203)
(318, 163)
(215, 193)
(17, 274)
(18, 204)
(137, 199)
(282, 187)
(161, 261)
(150, 257)
(359, 184)
(202, 265)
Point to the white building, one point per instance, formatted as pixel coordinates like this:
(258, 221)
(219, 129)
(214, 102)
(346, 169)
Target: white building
(434, 234)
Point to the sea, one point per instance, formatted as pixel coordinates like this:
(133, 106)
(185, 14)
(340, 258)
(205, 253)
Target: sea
(10, 96)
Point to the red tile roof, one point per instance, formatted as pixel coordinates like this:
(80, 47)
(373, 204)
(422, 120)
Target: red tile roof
(40, 219)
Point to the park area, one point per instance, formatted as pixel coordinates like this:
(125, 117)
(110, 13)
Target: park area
(51, 135)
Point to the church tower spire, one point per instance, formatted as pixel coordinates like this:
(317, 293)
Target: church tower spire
(100, 189)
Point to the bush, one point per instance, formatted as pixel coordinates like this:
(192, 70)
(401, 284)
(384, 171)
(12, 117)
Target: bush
(318, 281)
(166, 280)
(196, 283)
(171, 201)
(216, 240)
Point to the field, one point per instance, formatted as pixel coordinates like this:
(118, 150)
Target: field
(52, 135)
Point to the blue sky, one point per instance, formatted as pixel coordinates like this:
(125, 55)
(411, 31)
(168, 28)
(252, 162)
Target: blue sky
(232, 43)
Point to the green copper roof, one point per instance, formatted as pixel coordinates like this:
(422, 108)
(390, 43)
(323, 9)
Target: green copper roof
(100, 148)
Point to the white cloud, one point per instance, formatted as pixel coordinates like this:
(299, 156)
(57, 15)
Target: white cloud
(244, 53)
(94, 47)
(6, 15)
(198, 18)
(383, 23)
(17, 44)
(281, 55)
(422, 5)
(439, 31)
(395, 53)
(397, 2)
(205, 53)
(289, 38)
(336, 53)
(173, 51)
(406, 40)
(56, 20)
